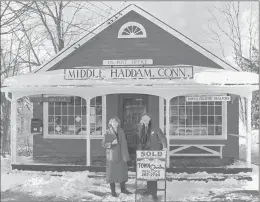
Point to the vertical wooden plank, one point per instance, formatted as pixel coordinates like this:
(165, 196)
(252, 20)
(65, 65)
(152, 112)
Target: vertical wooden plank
(88, 149)
(13, 130)
(248, 133)
(168, 130)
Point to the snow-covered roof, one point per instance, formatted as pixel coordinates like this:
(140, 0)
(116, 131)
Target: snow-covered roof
(204, 76)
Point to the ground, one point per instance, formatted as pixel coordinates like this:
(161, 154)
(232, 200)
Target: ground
(32, 186)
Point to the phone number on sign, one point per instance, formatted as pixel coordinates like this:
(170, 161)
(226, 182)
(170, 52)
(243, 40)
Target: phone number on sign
(150, 173)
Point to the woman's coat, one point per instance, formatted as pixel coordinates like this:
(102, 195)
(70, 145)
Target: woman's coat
(116, 156)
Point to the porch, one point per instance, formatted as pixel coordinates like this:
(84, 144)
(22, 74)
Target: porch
(165, 90)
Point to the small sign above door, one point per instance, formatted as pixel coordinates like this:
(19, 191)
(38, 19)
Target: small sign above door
(128, 62)
(208, 98)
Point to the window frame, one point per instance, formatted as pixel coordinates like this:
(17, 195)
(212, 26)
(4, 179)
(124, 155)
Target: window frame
(121, 30)
(46, 134)
(223, 136)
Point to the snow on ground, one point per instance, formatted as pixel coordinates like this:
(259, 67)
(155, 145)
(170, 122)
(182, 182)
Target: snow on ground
(78, 186)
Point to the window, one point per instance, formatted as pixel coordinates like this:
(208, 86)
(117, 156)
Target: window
(196, 119)
(96, 116)
(132, 30)
(67, 118)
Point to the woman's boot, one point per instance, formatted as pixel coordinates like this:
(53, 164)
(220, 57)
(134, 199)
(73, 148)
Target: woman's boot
(113, 189)
(123, 189)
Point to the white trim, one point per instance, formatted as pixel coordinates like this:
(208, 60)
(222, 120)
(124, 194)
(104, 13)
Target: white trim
(88, 149)
(104, 114)
(161, 113)
(65, 137)
(168, 130)
(129, 24)
(200, 146)
(248, 132)
(45, 120)
(96, 30)
(13, 130)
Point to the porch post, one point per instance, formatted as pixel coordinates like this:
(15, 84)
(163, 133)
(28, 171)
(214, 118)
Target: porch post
(88, 150)
(248, 131)
(13, 130)
(161, 113)
(168, 130)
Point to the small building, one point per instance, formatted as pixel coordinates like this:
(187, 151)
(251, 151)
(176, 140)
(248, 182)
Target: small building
(130, 64)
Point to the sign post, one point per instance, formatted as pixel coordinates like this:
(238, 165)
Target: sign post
(150, 166)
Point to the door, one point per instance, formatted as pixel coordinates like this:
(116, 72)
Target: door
(132, 106)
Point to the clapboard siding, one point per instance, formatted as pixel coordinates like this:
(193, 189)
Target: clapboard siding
(159, 45)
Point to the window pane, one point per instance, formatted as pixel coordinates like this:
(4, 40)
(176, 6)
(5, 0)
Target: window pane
(64, 110)
(77, 110)
(51, 110)
(64, 120)
(58, 120)
(174, 110)
(197, 103)
(196, 110)
(83, 101)
(181, 100)
(57, 109)
(218, 110)
(210, 110)
(196, 131)
(218, 120)
(84, 120)
(204, 110)
(211, 120)
(99, 110)
(174, 120)
(196, 120)
(174, 101)
(204, 103)
(210, 130)
(189, 110)
(51, 130)
(78, 120)
(189, 120)
(77, 100)
(93, 102)
(71, 110)
(182, 111)
(71, 130)
(218, 130)
(204, 130)
(84, 110)
(51, 120)
(99, 100)
(218, 103)
(70, 120)
(210, 103)
(204, 120)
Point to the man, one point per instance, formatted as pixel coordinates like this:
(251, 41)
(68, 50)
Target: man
(151, 138)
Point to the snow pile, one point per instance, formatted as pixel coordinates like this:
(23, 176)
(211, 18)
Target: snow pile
(226, 77)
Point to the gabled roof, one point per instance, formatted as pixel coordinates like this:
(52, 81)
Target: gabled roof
(99, 28)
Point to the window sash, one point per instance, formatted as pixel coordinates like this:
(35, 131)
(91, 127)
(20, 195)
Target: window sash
(180, 111)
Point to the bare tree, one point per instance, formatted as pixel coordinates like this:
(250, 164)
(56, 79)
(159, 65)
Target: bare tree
(240, 29)
(34, 31)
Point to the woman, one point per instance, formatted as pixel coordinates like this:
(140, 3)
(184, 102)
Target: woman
(116, 156)
(151, 138)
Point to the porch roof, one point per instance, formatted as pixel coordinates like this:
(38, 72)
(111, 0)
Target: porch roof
(202, 77)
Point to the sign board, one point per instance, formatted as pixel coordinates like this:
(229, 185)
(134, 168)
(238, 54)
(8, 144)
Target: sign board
(50, 99)
(151, 165)
(128, 62)
(129, 73)
(206, 98)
